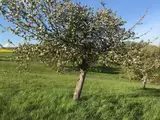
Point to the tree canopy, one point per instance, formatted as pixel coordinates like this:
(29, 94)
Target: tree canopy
(65, 31)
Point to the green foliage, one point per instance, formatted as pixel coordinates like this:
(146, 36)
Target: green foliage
(44, 94)
(66, 32)
(142, 60)
(139, 60)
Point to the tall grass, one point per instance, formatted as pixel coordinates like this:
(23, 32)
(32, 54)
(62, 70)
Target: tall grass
(42, 94)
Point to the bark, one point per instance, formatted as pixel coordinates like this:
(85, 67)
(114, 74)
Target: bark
(79, 85)
(80, 82)
(144, 82)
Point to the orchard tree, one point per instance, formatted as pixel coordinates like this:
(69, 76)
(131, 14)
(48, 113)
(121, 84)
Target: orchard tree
(143, 61)
(140, 60)
(66, 32)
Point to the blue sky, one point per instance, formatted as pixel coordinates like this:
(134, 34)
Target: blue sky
(130, 10)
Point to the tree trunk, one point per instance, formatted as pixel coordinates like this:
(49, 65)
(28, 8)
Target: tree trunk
(79, 85)
(144, 82)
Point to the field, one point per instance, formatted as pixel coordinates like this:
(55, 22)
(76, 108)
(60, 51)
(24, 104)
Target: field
(43, 94)
(5, 51)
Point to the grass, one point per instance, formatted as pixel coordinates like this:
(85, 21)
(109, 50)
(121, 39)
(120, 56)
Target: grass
(42, 94)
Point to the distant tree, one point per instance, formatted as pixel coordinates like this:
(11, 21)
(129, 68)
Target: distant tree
(65, 32)
(140, 60)
(143, 62)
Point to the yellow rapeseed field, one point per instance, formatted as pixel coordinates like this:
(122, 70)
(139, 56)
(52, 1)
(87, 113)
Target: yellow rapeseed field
(5, 50)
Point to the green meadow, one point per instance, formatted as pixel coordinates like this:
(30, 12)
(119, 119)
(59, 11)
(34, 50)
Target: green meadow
(43, 94)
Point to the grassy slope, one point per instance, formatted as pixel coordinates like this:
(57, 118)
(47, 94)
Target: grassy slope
(43, 94)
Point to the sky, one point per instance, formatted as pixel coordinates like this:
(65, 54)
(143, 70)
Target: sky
(130, 11)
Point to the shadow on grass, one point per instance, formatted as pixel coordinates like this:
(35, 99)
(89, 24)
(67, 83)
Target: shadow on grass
(99, 69)
(148, 92)
(153, 92)
(105, 69)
